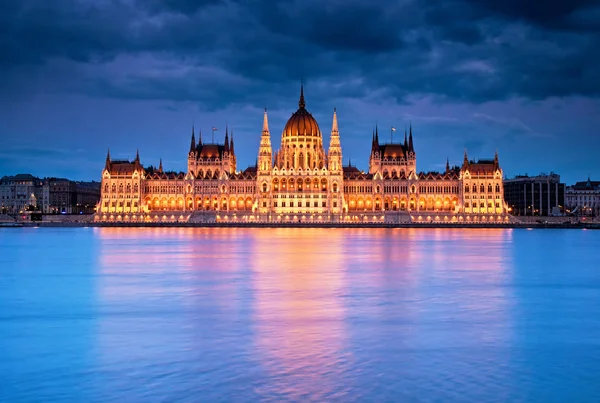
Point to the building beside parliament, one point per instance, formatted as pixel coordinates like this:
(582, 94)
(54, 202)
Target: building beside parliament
(301, 181)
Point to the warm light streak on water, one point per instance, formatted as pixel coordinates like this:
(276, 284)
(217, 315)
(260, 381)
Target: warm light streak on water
(171, 314)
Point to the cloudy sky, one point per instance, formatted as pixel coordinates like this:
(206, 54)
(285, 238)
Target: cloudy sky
(80, 76)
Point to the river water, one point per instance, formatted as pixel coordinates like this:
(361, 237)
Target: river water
(246, 315)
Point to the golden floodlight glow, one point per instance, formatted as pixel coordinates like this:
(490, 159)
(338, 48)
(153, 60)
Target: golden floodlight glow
(301, 179)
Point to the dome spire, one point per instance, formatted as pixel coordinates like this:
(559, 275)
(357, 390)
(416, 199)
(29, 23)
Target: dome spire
(301, 103)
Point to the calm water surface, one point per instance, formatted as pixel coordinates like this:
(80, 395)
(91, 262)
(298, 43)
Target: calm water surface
(374, 315)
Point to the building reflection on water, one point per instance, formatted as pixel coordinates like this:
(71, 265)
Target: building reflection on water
(299, 314)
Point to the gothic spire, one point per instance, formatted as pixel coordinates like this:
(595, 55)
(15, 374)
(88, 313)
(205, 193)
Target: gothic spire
(226, 138)
(231, 144)
(376, 134)
(193, 145)
(264, 150)
(107, 164)
(200, 137)
(265, 129)
(447, 164)
(410, 140)
(334, 127)
(465, 159)
(405, 139)
(160, 168)
(137, 155)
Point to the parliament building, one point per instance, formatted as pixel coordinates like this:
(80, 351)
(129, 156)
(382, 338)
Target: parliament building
(301, 182)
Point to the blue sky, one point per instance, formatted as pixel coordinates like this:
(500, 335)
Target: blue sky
(520, 77)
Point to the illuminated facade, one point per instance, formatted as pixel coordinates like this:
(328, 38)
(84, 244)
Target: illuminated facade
(302, 182)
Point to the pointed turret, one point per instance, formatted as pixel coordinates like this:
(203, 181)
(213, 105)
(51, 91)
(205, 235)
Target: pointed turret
(160, 168)
(265, 129)
(410, 140)
(496, 162)
(376, 135)
(465, 160)
(193, 145)
(265, 161)
(334, 155)
(200, 137)
(334, 126)
(447, 165)
(301, 103)
(136, 161)
(226, 149)
(231, 149)
(373, 146)
(107, 164)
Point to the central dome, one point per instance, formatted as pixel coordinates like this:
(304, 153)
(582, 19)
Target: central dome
(302, 122)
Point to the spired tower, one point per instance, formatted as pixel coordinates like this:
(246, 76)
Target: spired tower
(264, 168)
(334, 166)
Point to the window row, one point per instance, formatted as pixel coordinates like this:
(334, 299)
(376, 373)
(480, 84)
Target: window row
(127, 204)
(481, 205)
(299, 204)
(482, 188)
(127, 188)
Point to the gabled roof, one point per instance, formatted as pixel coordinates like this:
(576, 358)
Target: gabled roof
(586, 185)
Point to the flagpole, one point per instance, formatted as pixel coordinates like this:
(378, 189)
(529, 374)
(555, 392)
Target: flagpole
(391, 135)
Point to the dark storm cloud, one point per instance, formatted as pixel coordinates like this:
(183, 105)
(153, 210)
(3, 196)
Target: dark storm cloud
(465, 50)
(555, 14)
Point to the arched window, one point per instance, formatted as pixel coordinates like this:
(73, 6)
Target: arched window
(129, 188)
(482, 188)
(335, 187)
(474, 188)
(106, 187)
(135, 188)
(497, 188)
(323, 184)
(264, 187)
(490, 188)
(466, 188)
(114, 188)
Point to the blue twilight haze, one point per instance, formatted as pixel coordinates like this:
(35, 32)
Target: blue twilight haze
(302, 315)
(80, 76)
